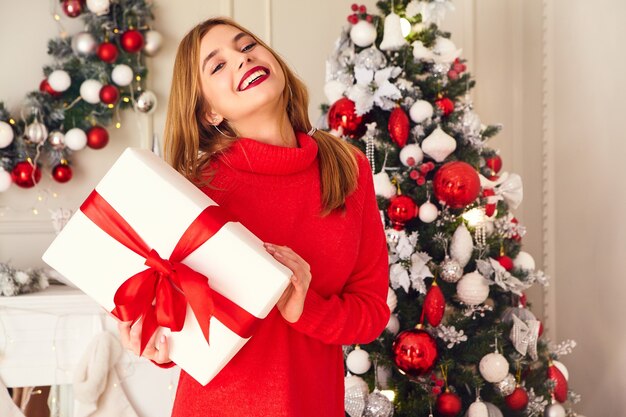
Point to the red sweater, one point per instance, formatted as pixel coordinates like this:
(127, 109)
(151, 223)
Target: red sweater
(285, 369)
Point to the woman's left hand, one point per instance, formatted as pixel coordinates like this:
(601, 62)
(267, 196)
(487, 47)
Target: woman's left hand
(291, 303)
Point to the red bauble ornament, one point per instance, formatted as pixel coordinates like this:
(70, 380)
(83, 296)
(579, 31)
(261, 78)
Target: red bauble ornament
(453, 75)
(448, 404)
(72, 8)
(490, 208)
(398, 126)
(44, 87)
(107, 52)
(401, 209)
(506, 262)
(516, 236)
(62, 173)
(517, 400)
(109, 94)
(446, 105)
(97, 137)
(560, 383)
(341, 114)
(434, 305)
(132, 41)
(414, 352)
(494, 164)
(25, 175)
(457, 184)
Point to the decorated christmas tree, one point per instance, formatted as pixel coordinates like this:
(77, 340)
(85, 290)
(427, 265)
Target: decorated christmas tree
(461, 339)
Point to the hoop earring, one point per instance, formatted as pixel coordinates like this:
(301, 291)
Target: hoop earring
(222, 133)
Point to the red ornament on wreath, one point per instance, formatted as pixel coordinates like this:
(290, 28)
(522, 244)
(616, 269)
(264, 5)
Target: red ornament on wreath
(456, 184)
(494, 164)
(398, 126)
(401, 209)
(97, 137)
(445, 105)
(132, 41)
(25, 174)
(517, 400)
(414, 352)
(341, 114)
(107, 52)
(62, 173)
(44, 87)
(434, 305)
(72, 8)
(109, 94)
(560, 383)
(448, 404)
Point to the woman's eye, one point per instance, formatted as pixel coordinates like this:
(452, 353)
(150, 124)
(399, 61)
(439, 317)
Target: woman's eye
(248, 47)
(217, 68)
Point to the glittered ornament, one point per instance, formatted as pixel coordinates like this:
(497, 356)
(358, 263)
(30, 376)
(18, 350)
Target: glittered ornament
(132, 41)
(356, 393)
(59, 80)
(72, 8)
(99, 7)
(401, 209)
(421, 111)
(107, 52)
(393, 325)
(109, 94)
(554, 410)
(392, 34)
(371, 58)
(445, 105)
(428, 212)
(25, 175)
(62, 173)
(398, 126)
(83, 43)
(494, 163)
(448, 404)
(518, 399)
(146, 102)
(450, 270)
(341, 115)
(477, 409)
(5, 180)
(461, 245)
(358, 361)
(473, 289)
(6, 134)
(506, 386)
(383, 186)
(122, 75)
(75, 139)
(414, 352)
(363, 33)
(439, 145)
(153, 43)
(44, 87)
(97, 137)
(560, 383)
(378, 405)
(434, 305)
(56, 139)
(36, 132)
(411, 155)
(493, 367)
(456, 184)
(90, 91)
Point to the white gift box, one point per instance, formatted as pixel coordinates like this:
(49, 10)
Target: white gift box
(160, 204)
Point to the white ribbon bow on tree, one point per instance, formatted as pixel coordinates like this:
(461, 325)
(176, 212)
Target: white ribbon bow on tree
(524, 336)
(508, 187)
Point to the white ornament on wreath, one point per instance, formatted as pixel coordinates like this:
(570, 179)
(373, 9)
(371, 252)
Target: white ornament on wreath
(75, 139)
(472, 289)
(56, 139)
(36, 132)
(5, 180)
(383, 186)
(392, 35)
(363, 33)
(461, 245)
(153, 41)
(358, 361)
(59, 80)
(428, 212)
(439, 145)
(524, 261)
(6, 134)
(122, 75)
(83, 43)
(493, 367)
(411, 155)
(90, 91)
(98, 7)
(420, 111)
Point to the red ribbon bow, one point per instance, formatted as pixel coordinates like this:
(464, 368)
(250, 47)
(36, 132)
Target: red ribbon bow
(159, 294)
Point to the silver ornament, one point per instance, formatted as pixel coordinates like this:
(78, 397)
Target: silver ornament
(554, 410)
(506, 386)
(356, 391)
(153, 41)
(83, 43)
(451, 270)
(57, 140)
(146, 102)
(36, 132)
(370, 58)
(378, 405)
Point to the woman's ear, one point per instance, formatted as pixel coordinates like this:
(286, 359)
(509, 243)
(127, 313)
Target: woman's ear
(214, 118)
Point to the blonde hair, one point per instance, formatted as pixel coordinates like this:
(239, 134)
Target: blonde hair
(190, 140)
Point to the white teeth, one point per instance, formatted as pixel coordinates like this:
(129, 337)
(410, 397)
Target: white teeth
(251, 78)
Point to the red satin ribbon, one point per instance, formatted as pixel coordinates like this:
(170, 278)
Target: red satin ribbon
(170, 284)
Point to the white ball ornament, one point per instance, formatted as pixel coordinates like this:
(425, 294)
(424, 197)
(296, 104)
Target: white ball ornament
(98, 7)
(411, 155)
(393, 325)
(363, 34)
(428, 212)
(524, 261)
(59, 80)
(493, 410)
(5, 180)
(438, 145)
(75, 139)
(6, 134)
(478, 409)
(383, 186)
(493, 367)
(90, 91)
(36, 132)
(122, 75)
(473, 289)
(461, 245)
(358, 361)
(152, 42)
(562, 368)
(146, 102)
(83, 43)
(392, 299)
(420, 111)
(554, 410)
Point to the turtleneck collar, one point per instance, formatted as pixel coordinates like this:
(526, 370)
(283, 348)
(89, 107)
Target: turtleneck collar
(253, 156)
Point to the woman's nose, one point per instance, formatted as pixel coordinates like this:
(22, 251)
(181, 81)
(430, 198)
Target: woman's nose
(244, 59)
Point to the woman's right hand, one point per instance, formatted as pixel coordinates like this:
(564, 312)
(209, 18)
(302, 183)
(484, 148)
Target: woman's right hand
(156, 351)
